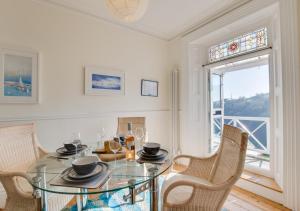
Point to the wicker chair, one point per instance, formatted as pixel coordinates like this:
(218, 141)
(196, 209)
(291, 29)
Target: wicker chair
(206, 182)
(18, 150)
(123, 123)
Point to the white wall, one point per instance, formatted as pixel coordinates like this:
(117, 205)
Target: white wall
(66, 41)
(298, 158)
(290, 82)
(299, 21)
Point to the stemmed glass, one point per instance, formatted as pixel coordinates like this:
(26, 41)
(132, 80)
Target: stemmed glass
(76, 142)
(139, 134)
(100, 138)
(115, 146)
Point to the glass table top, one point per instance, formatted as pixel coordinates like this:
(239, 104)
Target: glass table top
(124, 174)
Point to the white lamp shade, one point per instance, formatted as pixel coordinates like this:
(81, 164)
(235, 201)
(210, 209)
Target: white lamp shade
(127, 10)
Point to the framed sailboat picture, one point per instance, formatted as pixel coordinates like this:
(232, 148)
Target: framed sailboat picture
(18, 76)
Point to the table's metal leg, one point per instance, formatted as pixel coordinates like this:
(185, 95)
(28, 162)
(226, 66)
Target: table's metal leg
(40, 180)
(37, 192)
(154, 188)
(154, 194)
(81, 200)
(132, 192)
(44, 201)
(107, 193)
(84, 198)
(78, 202)
(132, 195)
(44, 194)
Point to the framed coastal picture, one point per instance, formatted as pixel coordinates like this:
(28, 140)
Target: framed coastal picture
(104, 81)
(149, 88)
(18, 76)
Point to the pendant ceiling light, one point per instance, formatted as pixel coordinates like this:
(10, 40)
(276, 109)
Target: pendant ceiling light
(127, 10)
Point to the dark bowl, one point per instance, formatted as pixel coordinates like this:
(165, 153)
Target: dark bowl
(70, 146)
(151, 148)
(85, 165)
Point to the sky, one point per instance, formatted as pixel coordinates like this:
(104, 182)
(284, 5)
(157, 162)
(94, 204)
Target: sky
(16, 65)
(246, 82)
(106, 82)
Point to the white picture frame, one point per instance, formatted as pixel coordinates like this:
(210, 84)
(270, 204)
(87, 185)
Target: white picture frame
(104, 81)
(149, 88)
(19, 76)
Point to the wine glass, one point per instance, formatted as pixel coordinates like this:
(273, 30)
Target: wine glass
(76, 142)
(102, 134)
(139, 134)
(100, 138)
(99, 141)
(114, 146)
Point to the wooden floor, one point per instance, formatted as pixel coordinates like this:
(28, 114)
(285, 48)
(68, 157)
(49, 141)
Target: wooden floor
(261, 180)
(241, 200)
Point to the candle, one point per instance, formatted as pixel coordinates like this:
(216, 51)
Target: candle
(130, 154)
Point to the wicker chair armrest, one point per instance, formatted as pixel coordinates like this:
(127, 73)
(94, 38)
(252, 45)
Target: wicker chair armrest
(9, 184)
(198, 166)
(42, 151)
(194, 157)
(200, 188)
(12, 174)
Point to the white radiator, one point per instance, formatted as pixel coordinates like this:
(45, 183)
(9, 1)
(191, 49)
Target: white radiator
(176, 149)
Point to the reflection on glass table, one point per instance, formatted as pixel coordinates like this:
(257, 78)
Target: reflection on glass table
(129, 175)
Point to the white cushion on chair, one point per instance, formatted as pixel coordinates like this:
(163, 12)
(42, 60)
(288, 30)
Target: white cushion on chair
(24, 185)
(182, 193)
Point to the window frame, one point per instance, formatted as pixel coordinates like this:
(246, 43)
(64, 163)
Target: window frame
(271, 172)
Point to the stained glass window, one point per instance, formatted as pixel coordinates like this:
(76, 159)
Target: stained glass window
(242, 44)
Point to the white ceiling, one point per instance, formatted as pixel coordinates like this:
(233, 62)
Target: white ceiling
(165, 19)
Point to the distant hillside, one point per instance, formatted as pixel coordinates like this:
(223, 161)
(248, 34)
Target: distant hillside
(256, 106)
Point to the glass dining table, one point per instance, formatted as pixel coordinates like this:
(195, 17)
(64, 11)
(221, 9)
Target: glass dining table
(131, 175)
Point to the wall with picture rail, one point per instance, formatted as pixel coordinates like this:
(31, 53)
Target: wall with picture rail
(66, 41)
(291, 171)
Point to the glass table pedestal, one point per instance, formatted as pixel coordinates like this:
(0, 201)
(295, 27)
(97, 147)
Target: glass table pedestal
(152, 186)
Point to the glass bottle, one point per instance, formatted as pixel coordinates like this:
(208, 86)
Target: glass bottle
(130, 144)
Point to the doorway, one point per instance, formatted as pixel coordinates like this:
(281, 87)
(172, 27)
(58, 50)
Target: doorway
(241, 96)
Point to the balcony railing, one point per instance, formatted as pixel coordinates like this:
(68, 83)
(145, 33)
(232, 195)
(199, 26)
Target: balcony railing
(258, 129)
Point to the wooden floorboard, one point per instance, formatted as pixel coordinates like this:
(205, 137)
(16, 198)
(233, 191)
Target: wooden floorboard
(264, 181)
(242, 200)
